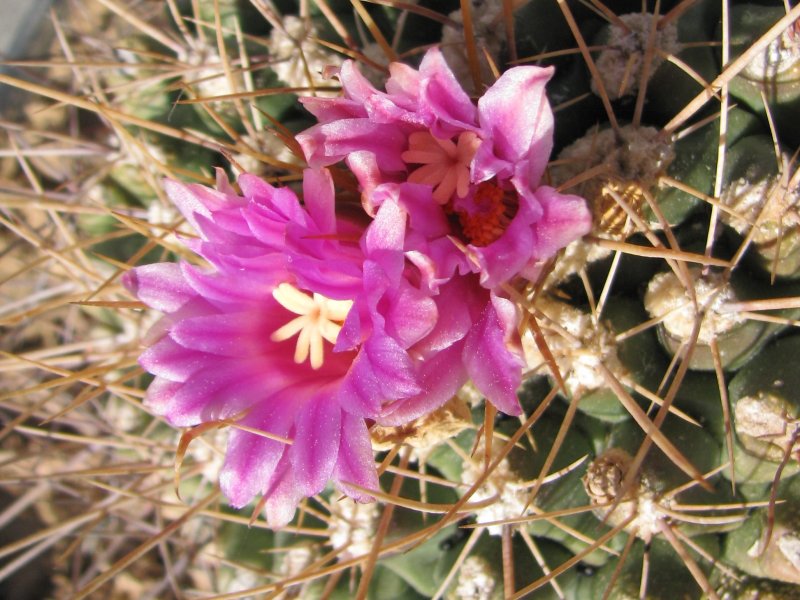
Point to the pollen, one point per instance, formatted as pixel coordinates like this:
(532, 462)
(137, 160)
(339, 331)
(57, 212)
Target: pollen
(445, 164)
(319, 319)
(486, 215)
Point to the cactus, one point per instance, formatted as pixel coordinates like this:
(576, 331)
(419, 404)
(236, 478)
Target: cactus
(657, 449)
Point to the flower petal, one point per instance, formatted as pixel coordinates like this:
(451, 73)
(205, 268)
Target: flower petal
(441, 375)
(160, 286)
(329, 143)
(316, 442)
(213, 394)
(356, 461)
(226, 291)
(383, 242)
(444, 98)
(250, 459)
(566, 218)
(283, 495)
(515, 115)
(494, 369)
(172, 361)
(411, 316)
(245, 334)
(318, 198)
(194, 199)
(381, 370)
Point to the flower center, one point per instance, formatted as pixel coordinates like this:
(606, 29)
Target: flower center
(319, 319)
(445, 164)
(486, 214)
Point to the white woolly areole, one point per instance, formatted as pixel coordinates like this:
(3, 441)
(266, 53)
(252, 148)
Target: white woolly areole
(289, 47)
(573, 258)
(490, 34)
(775, 208)
(630, 154)
(352, 527)
(476, 581)
(504, 485)
(761, 416)
(161, 216)
(208, 451)
(295, 560)
(789, 545)
(620, 63)
(268, 144)
(578, 345)
(781, 55)
(603, 483)
(209, 81)
(766, 425)
(666, 299)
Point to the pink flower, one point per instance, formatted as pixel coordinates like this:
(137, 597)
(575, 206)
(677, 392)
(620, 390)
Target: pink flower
(482, 163)
(300, 329)
(468, 178)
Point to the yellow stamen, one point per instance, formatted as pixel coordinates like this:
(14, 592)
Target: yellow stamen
(320, 319)
(445, 165)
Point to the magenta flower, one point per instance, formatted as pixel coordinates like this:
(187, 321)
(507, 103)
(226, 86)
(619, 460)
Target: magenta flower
(300, 328)
(468, 178)
(483, 164)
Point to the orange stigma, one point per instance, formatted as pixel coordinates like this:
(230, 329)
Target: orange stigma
(487, 214)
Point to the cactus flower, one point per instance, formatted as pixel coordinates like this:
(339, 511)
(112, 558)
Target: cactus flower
(297, 334)
(483, 164)
(468, 176)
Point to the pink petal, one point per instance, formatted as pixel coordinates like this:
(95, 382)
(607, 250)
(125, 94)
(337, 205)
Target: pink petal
(172, 361)
(494, 369)
(356, 461)
(383, 242)
(333, 109)
(403, 85)
(443, 96)
(355, 85)
(515, 115)
(161, 286)
(381, 370)
(280, 203)
(336, 278)
(250, 459)
(283, 495)
(364, 166)
(425, 215)
(316, 442)
(223, 184)
(455, 303)
(159, 395)
(226, 291)
(219, 393)
(329, 143)
(359, 392)
(213, 229)
(411, 316)
(232, 220)
(505, 257)
(318, 196)
(194, 199)
(229, 334)
(566, 218)
(440, 376)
